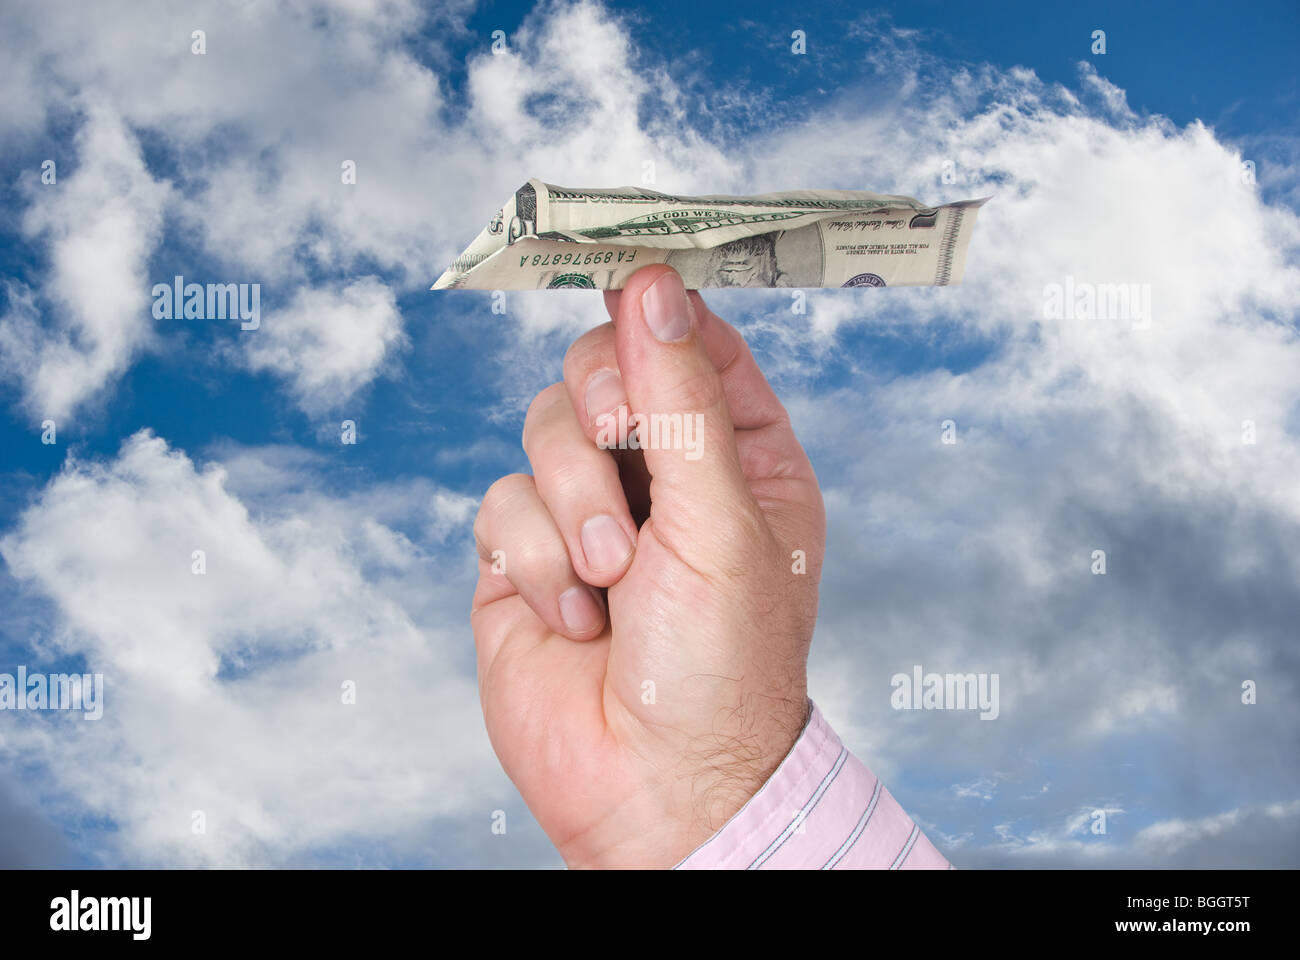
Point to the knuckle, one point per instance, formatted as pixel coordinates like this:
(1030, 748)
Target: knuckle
(543, 556)
(588, 352)
(500, 494)
(697, 389)
(539, 412)
(569, 478)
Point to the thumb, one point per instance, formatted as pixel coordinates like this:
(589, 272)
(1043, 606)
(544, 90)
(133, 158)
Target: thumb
(701, 504)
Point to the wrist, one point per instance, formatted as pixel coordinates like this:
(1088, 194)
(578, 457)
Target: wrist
(704, 787)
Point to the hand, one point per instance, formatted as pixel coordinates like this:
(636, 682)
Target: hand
(634, 738)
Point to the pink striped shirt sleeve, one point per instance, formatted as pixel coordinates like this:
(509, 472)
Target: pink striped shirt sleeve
(822, 809)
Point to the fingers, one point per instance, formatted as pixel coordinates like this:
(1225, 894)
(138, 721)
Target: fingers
(579, 484)
(557, 534)
(750, 398)
(598, 398)
(685, 427)
(517, 536)
(591, 376)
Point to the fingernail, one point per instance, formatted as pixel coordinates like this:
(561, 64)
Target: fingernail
(666, 312)
(580, 611)
(605, 543)
(604, 394)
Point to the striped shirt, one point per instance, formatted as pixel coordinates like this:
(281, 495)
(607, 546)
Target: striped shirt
(822, 809)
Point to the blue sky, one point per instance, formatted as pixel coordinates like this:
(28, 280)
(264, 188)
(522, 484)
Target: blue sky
(1120, 693)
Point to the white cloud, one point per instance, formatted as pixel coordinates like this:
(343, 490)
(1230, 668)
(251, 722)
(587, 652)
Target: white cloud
(223, 691)
(328, 343)
(982, 789)
(1265, 835)
(260, 125)
(1072, 435)
(101, 219)
(1170, 837)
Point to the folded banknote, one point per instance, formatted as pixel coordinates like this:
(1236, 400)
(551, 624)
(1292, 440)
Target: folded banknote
(548, 237)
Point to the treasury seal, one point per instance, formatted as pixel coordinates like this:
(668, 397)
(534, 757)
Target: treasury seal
(864, 280)
(581, 280)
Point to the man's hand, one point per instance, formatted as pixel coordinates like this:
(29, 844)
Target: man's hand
(633, 738)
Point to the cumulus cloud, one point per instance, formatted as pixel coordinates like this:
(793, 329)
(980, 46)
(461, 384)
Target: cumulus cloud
(1170, 444)
(328, 343)
(225, 690)
(100, 221)
(260, 126)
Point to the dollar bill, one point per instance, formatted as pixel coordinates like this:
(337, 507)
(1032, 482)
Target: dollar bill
(548, 237)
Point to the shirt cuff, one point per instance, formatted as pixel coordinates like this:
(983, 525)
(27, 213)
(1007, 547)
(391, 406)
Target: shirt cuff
(821, 809)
